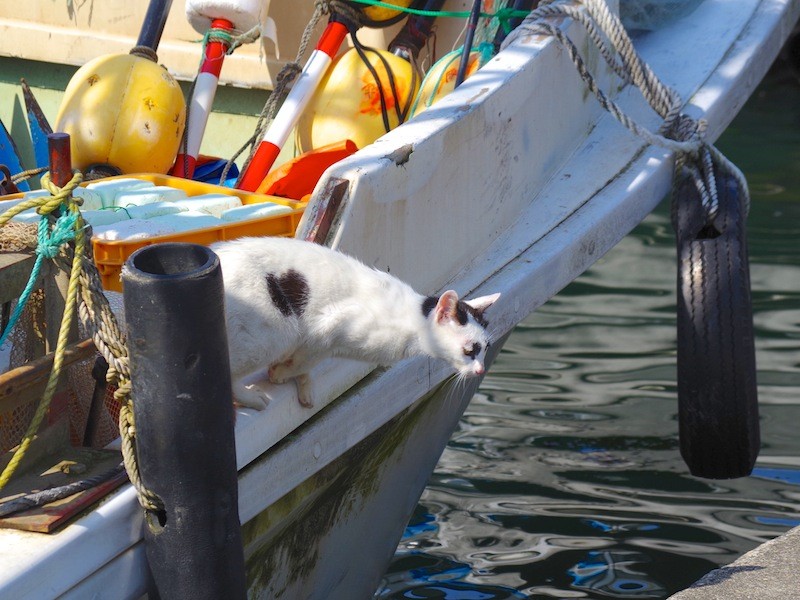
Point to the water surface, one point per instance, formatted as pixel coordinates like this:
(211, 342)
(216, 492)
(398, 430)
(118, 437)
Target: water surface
(564, 478)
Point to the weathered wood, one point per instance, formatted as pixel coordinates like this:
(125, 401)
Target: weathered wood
(26, 383)
(15, 270)
(55, 275)
(321, 215)
(57, 272)
(67, 466)
(48, 442)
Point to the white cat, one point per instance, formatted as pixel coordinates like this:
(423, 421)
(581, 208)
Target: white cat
(289, 304)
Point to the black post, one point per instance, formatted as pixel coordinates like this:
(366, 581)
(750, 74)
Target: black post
(183, 410)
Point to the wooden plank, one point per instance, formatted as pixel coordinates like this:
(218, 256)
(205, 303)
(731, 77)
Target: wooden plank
(15, 270)
(26, 383)
(70, 465)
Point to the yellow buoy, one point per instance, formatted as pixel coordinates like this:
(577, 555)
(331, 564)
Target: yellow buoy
(441, 79)
(382, 16)
(347, 105)
(124, 110)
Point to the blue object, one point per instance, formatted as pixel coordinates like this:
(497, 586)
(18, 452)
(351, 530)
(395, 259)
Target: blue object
(10, 157)
(211, 171)
(38, 125)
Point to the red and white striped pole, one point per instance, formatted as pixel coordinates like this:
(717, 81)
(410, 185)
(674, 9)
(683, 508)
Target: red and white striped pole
(296, 101)
(205, 88)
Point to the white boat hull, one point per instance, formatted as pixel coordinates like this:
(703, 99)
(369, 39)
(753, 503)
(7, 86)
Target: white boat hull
(515, 183)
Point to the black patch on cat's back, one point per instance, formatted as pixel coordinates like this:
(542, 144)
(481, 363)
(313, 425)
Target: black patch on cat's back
(289, 292)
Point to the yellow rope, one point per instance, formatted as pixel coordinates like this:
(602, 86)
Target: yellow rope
(85, 290)
(47, 205)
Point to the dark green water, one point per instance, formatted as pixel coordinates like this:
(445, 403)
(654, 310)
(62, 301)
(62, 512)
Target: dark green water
(564, 478)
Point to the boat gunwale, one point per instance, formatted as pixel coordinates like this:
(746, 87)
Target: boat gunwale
(121, 511)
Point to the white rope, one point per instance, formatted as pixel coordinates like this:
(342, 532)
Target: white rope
(678, 133)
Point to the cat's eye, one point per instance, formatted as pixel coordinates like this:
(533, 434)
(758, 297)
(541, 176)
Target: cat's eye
(474, 351)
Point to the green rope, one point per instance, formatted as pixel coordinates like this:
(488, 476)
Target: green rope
(504, 14)
(49, 244)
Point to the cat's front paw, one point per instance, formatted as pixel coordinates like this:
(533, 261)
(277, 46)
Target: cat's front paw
(250, 396)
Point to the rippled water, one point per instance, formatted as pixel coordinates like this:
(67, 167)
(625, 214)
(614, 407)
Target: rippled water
(564, 478)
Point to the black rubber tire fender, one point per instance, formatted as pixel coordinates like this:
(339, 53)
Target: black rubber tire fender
(717, 394)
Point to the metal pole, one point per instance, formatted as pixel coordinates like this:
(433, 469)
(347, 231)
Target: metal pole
(183, 410)
(153, 26)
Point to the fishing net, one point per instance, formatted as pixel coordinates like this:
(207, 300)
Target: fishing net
(25, 343)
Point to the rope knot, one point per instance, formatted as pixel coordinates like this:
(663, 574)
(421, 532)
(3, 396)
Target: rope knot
(288, 74)
(323, 6)
(686, 129)
(353, 15)
(504, 16)
(50, 242)
(60, 195)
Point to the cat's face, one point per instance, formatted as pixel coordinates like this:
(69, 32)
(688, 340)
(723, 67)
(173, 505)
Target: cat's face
(460, 331)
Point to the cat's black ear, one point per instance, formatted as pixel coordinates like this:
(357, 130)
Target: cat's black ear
(482, 303)
(446, 306)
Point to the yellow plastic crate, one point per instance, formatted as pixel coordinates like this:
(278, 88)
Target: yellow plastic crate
(110, 255)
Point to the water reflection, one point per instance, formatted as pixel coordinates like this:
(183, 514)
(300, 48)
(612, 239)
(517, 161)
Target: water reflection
(612, 573)
(564, 478)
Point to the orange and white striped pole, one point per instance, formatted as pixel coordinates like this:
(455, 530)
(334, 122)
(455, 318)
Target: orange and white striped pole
(293, 106)
(205, 88)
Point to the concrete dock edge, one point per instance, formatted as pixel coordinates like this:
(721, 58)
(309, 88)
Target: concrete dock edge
(769, 572)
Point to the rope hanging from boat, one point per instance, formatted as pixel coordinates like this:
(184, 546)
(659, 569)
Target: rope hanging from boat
(717, 395)
(678, 133)
(84, 292)
(286, 76)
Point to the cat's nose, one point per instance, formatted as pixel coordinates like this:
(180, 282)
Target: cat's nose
(478, 369)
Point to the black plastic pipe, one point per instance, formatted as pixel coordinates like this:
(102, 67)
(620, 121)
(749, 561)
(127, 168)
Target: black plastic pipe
(183, 410)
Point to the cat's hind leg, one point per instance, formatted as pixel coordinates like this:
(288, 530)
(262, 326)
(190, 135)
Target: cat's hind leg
(300, 361)
(297, 367)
